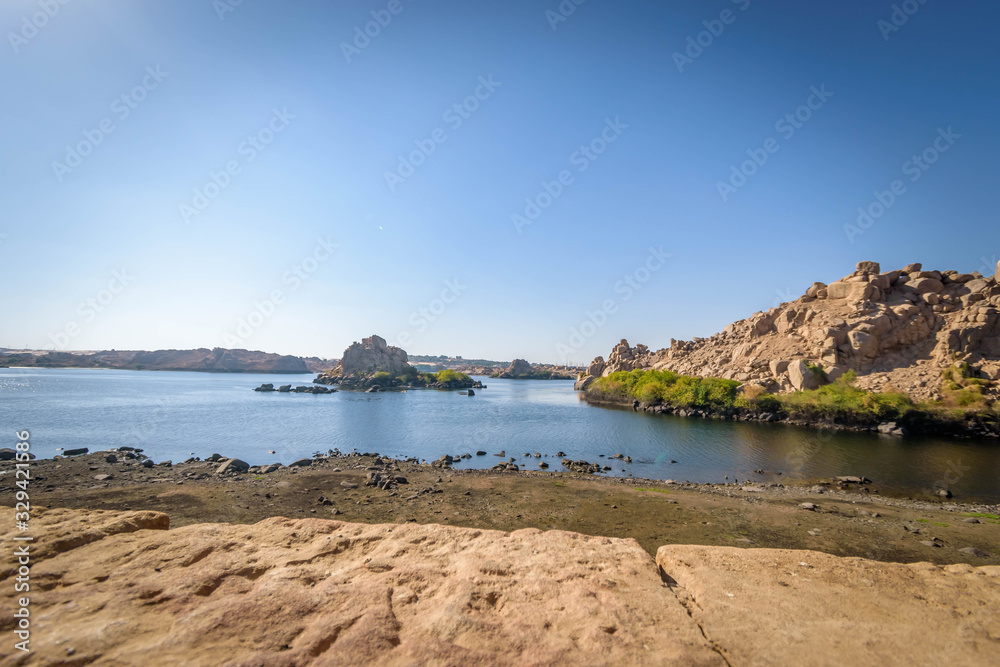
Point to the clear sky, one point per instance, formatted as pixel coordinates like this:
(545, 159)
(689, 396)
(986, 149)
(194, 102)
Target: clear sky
(265, 175)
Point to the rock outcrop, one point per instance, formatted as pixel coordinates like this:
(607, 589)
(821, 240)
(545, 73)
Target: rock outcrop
(900, 328)
(118, 588)
(364, 359)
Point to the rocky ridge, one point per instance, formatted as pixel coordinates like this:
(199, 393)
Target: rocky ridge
(896, 329)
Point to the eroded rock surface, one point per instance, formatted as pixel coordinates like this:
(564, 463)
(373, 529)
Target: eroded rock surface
(786, 607)
(316, 592)
(118, 588)
(898, 328)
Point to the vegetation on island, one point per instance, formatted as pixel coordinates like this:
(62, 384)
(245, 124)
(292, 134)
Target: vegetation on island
(839, 402)
(411, 377)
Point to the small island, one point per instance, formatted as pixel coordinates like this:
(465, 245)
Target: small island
(520, 369)
(374, 366)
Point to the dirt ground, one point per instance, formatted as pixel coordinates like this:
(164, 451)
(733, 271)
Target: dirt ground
(850, 522)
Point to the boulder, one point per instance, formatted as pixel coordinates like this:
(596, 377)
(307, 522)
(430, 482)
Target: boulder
(910, 268)
(7, 454)
(925, 285)
(777, 367)
(868, 267)
(301, 463)
(815, 289)
(75, 452)
(232, 465)
(801, 377)
(977, 285)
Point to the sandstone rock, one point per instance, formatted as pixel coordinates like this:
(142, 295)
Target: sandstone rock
(910, 268)
(814, 290)
(977, 285)
(925, 285)
(868, 267)
(317, 592)
(777, 367)
(801, 377)
(232, 465)
(800, 590)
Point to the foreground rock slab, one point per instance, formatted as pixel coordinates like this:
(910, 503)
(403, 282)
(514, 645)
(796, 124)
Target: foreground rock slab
(120, 588)
(788, 607)
(117, 589)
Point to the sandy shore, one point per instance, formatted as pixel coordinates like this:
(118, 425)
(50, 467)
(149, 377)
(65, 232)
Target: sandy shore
(855, 521)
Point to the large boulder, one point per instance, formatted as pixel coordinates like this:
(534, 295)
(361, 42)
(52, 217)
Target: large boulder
(801, 377)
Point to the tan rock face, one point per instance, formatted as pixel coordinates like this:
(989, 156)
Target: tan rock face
(901, 327)
(372, 354)
(120, 589)
(782, 607)
(315, 592)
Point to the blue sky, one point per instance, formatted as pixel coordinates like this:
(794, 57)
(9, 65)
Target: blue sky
(238, 196)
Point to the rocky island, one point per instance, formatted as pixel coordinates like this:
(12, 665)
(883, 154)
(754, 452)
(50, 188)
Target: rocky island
(520, 369)
(373, 366)
(899, 351)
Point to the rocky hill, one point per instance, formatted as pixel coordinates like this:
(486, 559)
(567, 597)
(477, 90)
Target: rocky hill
(900, 329)
(217, 360)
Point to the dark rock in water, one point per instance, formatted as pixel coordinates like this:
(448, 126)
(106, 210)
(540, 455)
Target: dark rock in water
(478, 453)
(472, 393)
(265, 387)
(503, 452)
(300, 463)
(7, 454)
(123, 448)
(285, 388)
(543, 464)
(75, 452)
(445, 460)
(560, 454)
(373, 389)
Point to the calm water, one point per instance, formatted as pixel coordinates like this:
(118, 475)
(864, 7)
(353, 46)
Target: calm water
(170, 415)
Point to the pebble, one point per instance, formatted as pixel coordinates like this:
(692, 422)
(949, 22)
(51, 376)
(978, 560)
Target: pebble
(807, 506)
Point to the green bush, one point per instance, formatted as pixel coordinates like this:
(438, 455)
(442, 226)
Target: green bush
(665, 387)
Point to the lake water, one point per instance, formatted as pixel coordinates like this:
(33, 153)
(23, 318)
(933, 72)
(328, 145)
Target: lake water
(172, 415)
